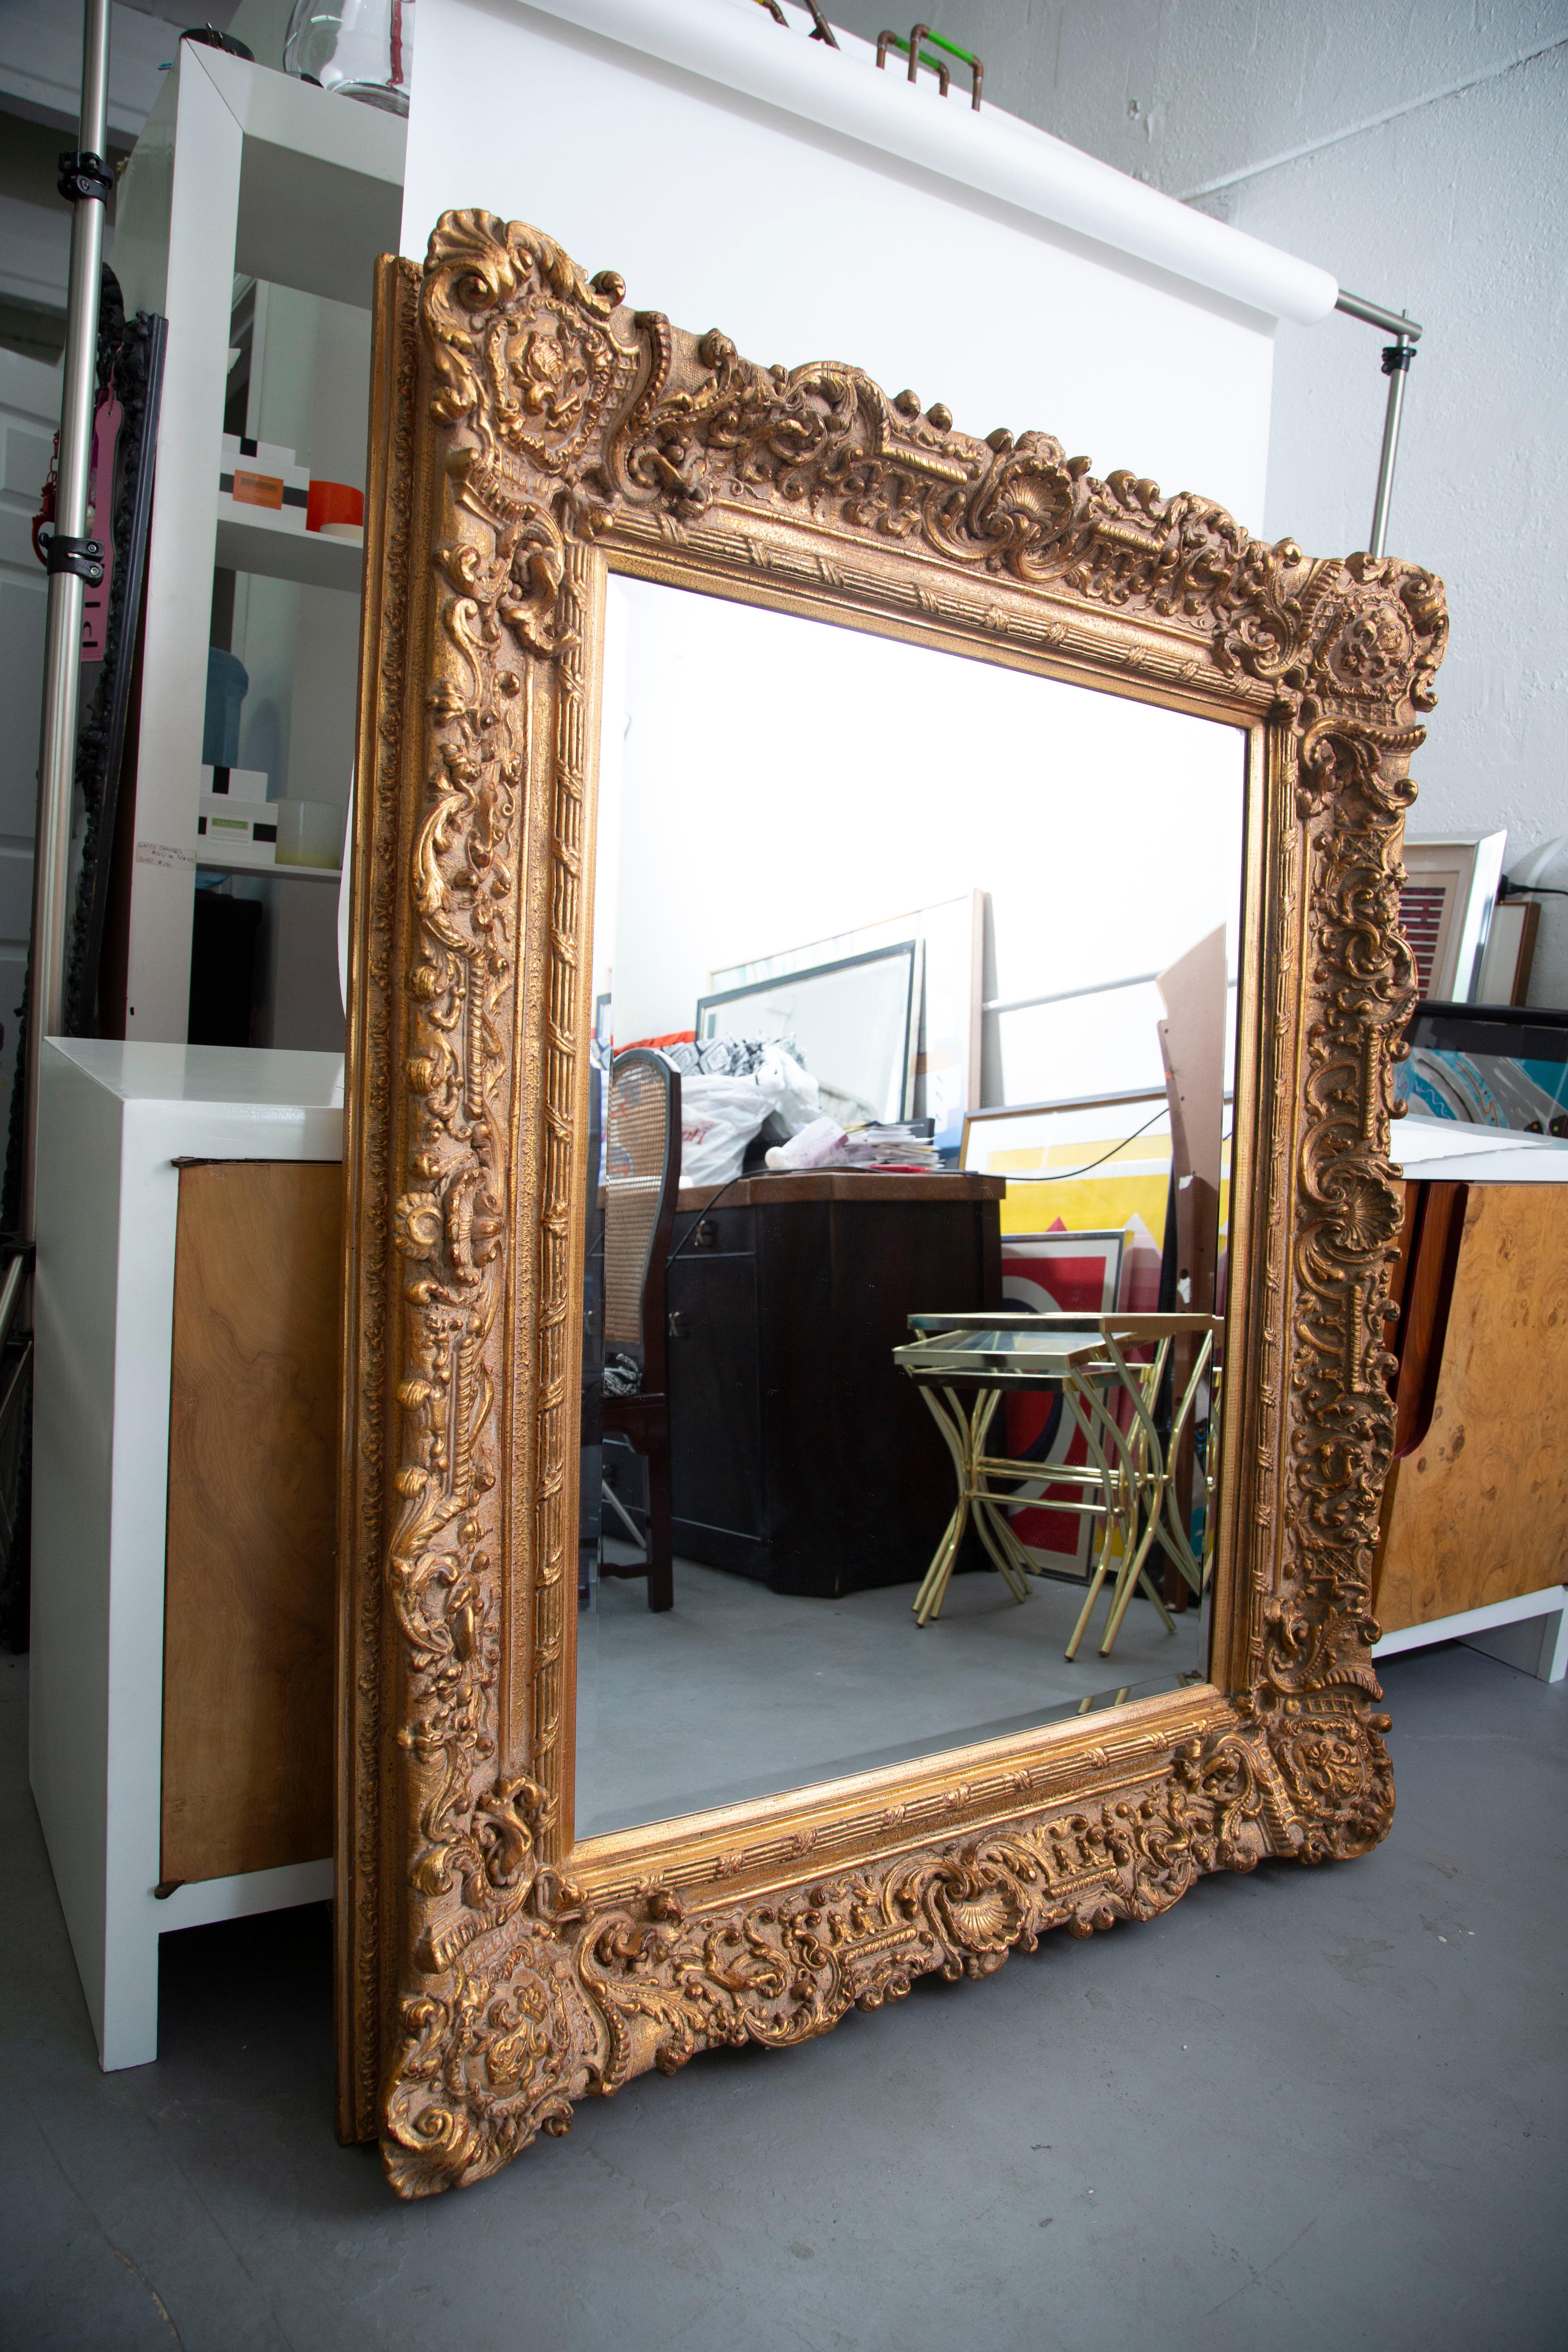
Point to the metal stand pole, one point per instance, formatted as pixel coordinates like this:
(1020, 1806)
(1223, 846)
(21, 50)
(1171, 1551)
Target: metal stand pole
(1396, 360)
(73, 559)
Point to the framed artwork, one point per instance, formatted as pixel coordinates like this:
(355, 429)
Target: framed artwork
(951, 935)
(1060, 1272)
(1044, 1273)
(1509, 953)
(1492, 1064)
(854, 1020)
(1445, 910)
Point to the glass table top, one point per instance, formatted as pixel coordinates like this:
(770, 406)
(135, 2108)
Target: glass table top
(1047, 1353)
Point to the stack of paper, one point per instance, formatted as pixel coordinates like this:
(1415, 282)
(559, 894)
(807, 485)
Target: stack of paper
(892, 1143)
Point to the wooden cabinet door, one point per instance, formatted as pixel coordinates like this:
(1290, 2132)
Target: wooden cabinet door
(249, 1613)
(1476, 1508)
(715, 1420)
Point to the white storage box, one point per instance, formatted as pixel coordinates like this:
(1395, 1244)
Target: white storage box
(241, 783)
(236, 825)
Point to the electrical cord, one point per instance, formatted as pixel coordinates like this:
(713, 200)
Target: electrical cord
(706, 1211)
(597, 1246)
(1065, 1175)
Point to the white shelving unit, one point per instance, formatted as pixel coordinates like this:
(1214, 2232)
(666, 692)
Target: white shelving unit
(332, 874)
(278, 553)
(240, 173)
(1529, 1631)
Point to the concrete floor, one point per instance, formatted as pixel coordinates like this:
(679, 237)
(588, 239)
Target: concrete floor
(737, 1692)
(1310, 2108)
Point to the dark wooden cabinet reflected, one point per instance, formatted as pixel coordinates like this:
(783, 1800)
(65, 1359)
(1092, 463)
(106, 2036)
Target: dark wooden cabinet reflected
(798, 1456)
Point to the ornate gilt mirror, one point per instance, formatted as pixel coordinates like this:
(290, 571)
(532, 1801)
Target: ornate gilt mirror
(767, 1578)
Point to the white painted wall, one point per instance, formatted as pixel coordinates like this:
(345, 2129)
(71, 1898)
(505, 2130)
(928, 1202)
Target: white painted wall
(1179, 95)
(1421, 154)
(1458, 210)
(779, 780)
(40, 61)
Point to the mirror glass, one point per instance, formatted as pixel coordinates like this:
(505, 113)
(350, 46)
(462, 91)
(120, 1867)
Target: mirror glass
(854, 1020)
(914, 1011)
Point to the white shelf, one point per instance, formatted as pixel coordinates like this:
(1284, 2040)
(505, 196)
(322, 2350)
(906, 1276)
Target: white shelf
(334, 874)
(1488, 1620)
(280, 553)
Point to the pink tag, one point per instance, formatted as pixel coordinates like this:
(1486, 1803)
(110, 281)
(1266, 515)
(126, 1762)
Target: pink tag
(107, 421)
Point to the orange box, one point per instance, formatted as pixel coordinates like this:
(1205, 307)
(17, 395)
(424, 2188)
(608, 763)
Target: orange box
(257, 489)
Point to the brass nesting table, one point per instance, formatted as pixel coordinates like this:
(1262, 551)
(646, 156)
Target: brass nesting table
(1132, 1483)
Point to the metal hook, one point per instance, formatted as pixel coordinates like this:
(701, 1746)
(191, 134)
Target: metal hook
(886, 41)
(918, 32)
(912, 48)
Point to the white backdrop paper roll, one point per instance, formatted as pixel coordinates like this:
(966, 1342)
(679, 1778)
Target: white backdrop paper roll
(734, 45)
(634, 133)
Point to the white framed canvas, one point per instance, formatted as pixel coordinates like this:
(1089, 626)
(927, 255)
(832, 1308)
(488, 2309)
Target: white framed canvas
(1446, 911)
(947, 1050)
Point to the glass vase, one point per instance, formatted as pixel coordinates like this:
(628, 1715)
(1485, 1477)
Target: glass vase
(356, 48)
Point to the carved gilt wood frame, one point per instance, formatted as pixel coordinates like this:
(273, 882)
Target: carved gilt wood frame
(530, 431)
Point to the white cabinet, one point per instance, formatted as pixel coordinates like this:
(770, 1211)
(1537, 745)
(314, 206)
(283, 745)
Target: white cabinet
(115, 1121)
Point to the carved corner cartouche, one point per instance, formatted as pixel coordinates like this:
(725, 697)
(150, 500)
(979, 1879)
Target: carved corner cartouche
(560, 425)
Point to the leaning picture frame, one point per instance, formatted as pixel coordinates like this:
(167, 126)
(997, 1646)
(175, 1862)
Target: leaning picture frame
(1098, 1160)
(951, 938)
(1446, 910)
(530, 432)
(872, 997)
(1053, 1272)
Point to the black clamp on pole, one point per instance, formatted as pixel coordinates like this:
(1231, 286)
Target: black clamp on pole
(84, 175)
(82, 556)
(18, 1260)
(1397, 358)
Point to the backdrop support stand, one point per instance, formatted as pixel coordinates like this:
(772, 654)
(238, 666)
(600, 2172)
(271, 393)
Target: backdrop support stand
(74, 560)
(1396, 360)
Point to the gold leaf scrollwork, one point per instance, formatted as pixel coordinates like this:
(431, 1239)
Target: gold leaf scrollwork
(555, 421)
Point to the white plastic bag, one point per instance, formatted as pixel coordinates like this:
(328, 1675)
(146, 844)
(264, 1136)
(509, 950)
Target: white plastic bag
(718, 1117)
(796, 1100)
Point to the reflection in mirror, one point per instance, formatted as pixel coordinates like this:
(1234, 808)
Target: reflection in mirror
(902, 1385)
(854, 1020)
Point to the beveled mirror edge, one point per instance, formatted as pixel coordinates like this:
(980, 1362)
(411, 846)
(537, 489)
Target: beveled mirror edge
(480, 1993)
(758, 1843)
